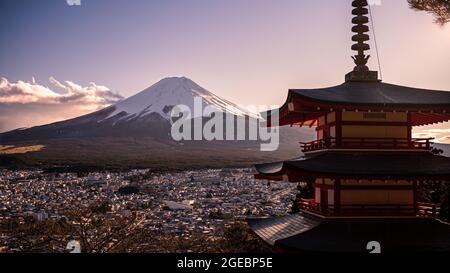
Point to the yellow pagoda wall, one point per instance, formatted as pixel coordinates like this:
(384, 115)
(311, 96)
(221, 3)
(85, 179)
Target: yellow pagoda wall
(384, 195)
(356, 131)
(387, 192)
(373, 130)
(377, 197)
(374, 116)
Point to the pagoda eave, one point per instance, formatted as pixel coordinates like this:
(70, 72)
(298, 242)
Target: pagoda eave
(363, 165)
(297, 175)
(302, 114)
(303, 106)
(312, 234)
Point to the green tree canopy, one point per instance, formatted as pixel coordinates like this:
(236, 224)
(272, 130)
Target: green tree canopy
(439, 8)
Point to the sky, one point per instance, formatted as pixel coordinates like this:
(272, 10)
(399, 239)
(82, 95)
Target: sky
(247, 51)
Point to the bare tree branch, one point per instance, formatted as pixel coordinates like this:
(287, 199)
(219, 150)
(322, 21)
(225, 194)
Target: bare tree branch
(439, 8)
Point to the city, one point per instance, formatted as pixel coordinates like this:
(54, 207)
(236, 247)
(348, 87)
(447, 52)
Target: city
(177, 204)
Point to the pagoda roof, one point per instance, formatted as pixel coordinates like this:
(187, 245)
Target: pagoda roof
(375, 92)
(273, 229)
(362, 164)
(307, 233)
(305, 106)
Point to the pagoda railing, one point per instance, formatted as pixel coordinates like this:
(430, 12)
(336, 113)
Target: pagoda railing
(367, 143)
(421, 209)
(426, 209)
(313, 206)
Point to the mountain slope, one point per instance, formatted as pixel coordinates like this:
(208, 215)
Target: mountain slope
(160, 97)
(137, 132)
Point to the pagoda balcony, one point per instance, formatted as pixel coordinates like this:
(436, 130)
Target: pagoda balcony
(421, 209)
(367, 143)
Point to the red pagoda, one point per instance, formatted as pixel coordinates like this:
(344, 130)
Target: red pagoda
(365, 166)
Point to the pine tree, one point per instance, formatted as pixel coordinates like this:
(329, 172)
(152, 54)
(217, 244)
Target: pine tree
(444, 213)
(439, 8)
(305, 191)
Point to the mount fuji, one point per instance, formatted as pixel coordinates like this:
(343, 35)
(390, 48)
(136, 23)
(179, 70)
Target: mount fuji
(147, 113)
(160, 97)
(137, 131)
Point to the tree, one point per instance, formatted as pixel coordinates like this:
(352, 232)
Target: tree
(444, 214)
(100, 233)
(305, 191)
(439, 8)
(437, 192)
(97, 232)
(238, 239)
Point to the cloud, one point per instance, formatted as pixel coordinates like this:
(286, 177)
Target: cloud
(93, 95)
(27, 104)
(439, 135)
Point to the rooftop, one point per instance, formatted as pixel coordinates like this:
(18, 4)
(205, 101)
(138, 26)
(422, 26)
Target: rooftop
(375, 92)
(361, 164)
(352, 235)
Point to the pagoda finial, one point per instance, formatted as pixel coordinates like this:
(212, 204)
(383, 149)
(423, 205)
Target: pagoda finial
(360, 20)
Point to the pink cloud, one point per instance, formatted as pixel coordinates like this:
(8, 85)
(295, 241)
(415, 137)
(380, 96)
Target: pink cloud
(27, 104)
(25, 92)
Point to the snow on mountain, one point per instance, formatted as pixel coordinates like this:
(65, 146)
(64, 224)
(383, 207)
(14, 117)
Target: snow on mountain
(161, 97)
(146, 114)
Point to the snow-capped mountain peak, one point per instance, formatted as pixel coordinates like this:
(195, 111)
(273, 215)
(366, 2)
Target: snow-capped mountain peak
(169, 92)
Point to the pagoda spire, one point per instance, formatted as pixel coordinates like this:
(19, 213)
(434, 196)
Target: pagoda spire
(360, 20)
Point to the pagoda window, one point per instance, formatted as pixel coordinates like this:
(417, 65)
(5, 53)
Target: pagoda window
(331, 118)
(320, 134)
(322, 121)
(375, 116)
(330, 196)
(318, 194)
(326, 126)
(333, 131)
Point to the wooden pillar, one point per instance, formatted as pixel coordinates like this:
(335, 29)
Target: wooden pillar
(409, 128)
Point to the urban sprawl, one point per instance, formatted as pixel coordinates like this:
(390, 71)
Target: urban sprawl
(178, 203)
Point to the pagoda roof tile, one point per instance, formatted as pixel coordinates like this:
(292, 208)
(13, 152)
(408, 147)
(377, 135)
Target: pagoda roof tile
(348, 235)
(375, 92)
(356, 163)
